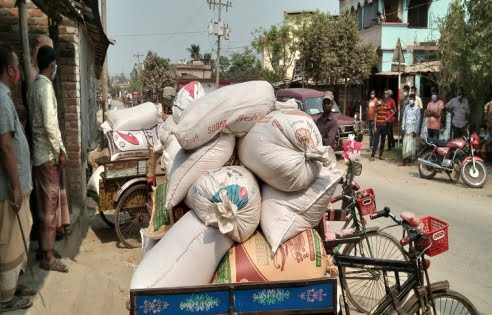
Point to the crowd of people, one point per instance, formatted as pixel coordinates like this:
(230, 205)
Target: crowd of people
(30, 165)
(436, 121)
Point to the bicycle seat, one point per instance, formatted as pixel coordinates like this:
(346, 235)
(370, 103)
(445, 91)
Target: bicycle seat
(410, 218)
(438, 142)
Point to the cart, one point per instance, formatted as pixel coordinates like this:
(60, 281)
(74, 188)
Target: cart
(125, 194)
(315, 296)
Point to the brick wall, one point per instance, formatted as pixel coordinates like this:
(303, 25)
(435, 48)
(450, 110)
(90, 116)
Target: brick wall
(67, 86)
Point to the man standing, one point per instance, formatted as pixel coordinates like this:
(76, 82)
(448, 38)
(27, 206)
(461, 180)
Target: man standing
(15, 188)
(371, 114)
(390, 122)
(410, 126)
(461, 111)
(418, 100)
(327, 124)
(48, 159)
(380, 121)
(433, 114)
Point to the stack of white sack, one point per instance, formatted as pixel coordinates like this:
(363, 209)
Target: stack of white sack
(232, 109)
(229, 199)
(141, 117)
(169, 144)
(187, 255)
(285, 150)
(185, 97)
(126, 144)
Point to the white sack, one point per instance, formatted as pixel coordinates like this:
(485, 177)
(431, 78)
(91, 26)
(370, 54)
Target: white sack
(140, 117)
(228, 198)
(188, 166)
(154, 133)
(285, 150)
(187, 95)
(286, 214)
(170, 145)
(126, 144)
(231, 109)
(187, 255)
(93, 183)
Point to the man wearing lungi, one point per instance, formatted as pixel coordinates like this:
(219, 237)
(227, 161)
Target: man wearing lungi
(15, 189)
(410, 127)
(49, 156)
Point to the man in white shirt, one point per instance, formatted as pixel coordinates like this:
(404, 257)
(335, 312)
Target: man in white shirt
(49, 156)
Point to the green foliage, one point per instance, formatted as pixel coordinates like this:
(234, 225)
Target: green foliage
(156, 73)
(278, 46)
(194, 51)
(332, 51)
(464, 49)
(244, 65)
(135, 80)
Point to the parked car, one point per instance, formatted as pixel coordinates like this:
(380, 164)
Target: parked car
(311, 102)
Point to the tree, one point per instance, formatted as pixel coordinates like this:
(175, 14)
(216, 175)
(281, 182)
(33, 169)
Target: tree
(244, 65)
(332, 51)
(135, 79)
(278, 47)
(207, 58)
(194, 51)
(464, 49)
(156, 73)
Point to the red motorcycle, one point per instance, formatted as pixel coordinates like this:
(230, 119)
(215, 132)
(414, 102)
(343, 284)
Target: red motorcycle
(455, 155)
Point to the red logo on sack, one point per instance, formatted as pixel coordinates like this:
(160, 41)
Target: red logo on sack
(129, 138)
(217, 126)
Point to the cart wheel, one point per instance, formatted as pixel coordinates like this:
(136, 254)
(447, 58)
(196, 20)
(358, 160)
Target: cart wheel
(108, 216)
(132, 215)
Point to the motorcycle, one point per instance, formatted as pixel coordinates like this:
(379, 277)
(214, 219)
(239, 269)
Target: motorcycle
(455, 155)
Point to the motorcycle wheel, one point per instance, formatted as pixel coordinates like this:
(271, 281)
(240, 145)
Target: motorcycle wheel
(475, 177)
(425, 171)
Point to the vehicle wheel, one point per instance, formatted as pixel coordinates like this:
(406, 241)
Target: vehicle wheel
(132, 215)
(365, 288)
(108, 216)
(476, 176)
(425, 171)
(446, 302)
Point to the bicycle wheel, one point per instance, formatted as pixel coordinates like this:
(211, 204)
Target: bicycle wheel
(365, 288)
(447, 302)
(132, 215)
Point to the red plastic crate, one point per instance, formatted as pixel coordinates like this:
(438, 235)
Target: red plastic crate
(437, 231)
(366, 201)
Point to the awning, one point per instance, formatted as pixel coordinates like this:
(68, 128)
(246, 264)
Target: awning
(387, 74)
(85, 12)
(424, 67)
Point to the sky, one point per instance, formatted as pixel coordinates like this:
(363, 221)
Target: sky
(175, 25)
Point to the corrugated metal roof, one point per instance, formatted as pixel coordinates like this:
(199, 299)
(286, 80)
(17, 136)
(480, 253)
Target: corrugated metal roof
(85, 12)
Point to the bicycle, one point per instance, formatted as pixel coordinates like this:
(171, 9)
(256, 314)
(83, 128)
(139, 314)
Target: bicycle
(364, 287)
(431, 240)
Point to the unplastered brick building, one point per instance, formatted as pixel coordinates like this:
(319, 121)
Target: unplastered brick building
(81, 44)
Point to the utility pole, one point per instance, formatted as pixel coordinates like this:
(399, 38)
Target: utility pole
(104, 75)
(139, 69)
(219, 29)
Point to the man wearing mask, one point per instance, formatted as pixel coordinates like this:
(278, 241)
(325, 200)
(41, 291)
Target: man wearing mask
(49, 156)
(390, 122)
(461, 111)
(410, 126)
(418, 100)
(371, 114)
(327, 124)
(433, 114)
(383, 112)
(15, 188)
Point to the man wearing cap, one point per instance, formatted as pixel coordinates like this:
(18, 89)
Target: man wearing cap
(327, 124)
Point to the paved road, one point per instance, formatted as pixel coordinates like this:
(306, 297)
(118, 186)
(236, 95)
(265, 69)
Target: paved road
(467, 211)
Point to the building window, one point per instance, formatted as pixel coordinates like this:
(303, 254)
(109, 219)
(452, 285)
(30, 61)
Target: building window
(418, 11)
(392, 11)
(370, 14)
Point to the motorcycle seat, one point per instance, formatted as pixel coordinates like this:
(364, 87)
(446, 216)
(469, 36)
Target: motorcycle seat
(437, 142)
(410, 218)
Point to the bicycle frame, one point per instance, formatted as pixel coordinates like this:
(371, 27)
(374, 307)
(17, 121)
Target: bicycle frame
(394, 296)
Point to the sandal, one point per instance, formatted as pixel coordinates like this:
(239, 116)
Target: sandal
(381, 157)
(23, 290)
(16, 303)
(57, 265)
